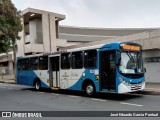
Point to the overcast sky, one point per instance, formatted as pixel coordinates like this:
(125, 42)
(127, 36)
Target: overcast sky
(101, 13)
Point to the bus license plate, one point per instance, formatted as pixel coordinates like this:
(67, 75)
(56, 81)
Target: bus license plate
(136, 87)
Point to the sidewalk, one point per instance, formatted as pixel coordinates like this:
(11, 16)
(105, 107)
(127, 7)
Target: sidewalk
(150, 89)
(153, 85)
(7, 79)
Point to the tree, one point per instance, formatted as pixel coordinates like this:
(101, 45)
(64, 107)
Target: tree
(10, 26)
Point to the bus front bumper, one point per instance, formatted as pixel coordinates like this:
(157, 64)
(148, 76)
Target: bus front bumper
(122, 88)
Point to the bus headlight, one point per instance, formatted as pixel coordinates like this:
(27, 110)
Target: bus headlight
(123, 81)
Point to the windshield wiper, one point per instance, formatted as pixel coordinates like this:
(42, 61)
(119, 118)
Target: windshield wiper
(130, 56)
(136, 63)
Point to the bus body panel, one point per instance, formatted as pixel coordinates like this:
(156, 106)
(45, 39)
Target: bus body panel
(28, 77)
(44, 77)
(88, 74)
(125, 84)
(65, 76)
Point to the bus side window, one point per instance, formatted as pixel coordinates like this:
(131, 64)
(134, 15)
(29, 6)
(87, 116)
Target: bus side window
(65, 61)
(19, 64)
(25, 64)
(112, 61)
(90, 58)
(34, 63)
(43, 63)
(77, 60)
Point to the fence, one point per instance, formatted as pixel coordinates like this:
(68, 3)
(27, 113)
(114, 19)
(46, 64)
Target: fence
(6, 74)
(6, 71)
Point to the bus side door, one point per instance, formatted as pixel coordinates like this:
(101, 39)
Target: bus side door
(108, 70)
(54, 73)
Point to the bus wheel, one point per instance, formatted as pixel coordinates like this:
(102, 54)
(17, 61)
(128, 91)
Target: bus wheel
(37, 85)
(90, 89)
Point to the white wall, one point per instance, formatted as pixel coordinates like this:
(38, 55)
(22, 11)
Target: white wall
(35, 30)
(152, 68)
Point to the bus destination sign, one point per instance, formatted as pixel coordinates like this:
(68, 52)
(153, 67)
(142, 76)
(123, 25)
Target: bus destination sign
(130, 47)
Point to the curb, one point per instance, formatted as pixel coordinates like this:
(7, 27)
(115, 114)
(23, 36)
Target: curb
(8, 82)
(147, 92)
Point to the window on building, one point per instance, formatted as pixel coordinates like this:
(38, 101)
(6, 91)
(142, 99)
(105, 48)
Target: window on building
(65, 61)
(90, 58)
(25, 64)
(34, 63)
(77, 60)
(43, 62)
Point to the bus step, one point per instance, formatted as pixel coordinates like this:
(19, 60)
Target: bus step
(55, 88)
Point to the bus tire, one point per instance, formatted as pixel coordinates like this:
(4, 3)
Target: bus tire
(37, 85)
(89, 89)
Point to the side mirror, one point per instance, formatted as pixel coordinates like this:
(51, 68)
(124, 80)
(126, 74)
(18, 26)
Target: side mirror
(144, 70)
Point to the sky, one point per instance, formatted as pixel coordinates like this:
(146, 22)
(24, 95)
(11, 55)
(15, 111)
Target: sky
(101, 13)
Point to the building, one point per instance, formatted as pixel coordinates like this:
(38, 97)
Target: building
(42, 33)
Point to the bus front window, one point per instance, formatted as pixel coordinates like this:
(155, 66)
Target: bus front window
(131, 62)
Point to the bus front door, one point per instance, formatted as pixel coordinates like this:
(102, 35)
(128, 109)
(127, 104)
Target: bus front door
(54, 71)
(107, 70)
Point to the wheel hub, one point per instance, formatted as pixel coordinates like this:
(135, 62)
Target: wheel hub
(89, 89)
(37, 85)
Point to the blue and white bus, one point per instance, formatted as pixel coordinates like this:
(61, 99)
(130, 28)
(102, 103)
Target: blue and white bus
(114, 67)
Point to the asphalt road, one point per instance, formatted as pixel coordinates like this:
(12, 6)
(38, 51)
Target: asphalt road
(23, 98)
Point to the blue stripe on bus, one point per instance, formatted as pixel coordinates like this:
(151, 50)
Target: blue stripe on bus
(28, 77)
(88, 75)
(130, 80)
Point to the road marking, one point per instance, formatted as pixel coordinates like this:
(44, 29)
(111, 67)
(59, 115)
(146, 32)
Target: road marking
(10, 88)
(56, 94)
(73, 96)
(41, 92)
(2, 86)
(131, 104)
(98, 99)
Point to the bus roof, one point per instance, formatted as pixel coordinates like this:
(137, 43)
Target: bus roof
(113, 45)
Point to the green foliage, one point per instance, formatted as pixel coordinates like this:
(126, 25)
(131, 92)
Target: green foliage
(4, 43)
(10, 25)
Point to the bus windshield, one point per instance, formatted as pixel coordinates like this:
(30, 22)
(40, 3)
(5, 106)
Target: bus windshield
(130, 62)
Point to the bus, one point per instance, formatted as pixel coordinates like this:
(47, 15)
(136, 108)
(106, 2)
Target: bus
(113, 67)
